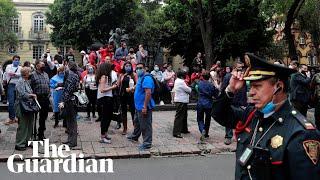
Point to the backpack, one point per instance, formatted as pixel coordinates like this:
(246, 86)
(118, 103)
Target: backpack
(156, 85)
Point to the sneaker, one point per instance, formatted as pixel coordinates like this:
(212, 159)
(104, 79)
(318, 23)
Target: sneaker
(10, 121)
(143, 148)
(104, 140)
(130, 138)
(20, 148)
(161, 103)
(118, 125)
(227, 141)
(202, 138)
(108, 137)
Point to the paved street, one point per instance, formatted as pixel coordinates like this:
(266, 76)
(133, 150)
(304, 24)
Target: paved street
(215, 167)
(89, 132)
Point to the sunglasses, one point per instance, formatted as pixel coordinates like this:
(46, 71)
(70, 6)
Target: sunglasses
(139, 68)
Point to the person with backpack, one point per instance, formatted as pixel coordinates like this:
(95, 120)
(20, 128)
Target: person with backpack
(144, 105)
(181, 99)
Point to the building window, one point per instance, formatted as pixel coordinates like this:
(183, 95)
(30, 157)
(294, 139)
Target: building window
(38, 23)
(64, 49)
(37, 52)
(15, 25)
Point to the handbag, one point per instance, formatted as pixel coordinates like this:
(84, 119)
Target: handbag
(82, 97)
(29, 106)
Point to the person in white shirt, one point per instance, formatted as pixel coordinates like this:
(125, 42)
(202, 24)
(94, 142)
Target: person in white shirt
(12, 75)
(90, 85)
(85, 58)
(107, 79)
(181, 99)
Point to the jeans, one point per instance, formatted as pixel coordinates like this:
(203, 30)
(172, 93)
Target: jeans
(11, 94)
(229, 133)
(204, 125)
(143, 125)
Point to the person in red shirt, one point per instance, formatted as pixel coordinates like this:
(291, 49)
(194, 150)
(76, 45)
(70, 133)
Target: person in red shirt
(196, 75)
(104, 51)
(110, 52)
(93, 57)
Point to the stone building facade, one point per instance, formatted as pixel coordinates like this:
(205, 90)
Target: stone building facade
(32, 31)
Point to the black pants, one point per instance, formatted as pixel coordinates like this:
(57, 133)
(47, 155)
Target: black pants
(107, 111)
(180, 121)
(43, 113)
(71, 120)
(301, 107)
(92, 96)
(125, 101)
(317, 115)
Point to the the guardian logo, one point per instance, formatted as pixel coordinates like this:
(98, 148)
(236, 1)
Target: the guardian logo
(57, 159)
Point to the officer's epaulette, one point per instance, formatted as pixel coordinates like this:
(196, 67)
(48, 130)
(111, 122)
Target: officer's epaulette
(307, 124)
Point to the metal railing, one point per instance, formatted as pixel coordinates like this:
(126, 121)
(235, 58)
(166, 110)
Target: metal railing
(39, 35)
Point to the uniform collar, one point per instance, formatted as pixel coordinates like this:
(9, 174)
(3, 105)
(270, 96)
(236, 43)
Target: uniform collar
(279, 115)
(282, 112)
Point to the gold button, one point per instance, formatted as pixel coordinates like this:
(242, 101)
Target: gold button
(239, 139)
(260, 129)
(248, 167)
(294, 112)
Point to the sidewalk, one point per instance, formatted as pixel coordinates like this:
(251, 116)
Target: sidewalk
(89, 131)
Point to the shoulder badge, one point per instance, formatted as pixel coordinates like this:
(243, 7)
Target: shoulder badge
(303, 120)
(312, 148)
(276, 141)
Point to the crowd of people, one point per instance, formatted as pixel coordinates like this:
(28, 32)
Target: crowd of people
(118, 78)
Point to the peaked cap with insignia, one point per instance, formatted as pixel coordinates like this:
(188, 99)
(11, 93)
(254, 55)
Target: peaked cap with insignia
(260, 69)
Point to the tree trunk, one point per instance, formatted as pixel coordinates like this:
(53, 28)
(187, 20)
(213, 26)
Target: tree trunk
(292, 14)
(206, 27)
(209, 58)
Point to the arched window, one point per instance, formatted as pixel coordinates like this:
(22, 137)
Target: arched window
(38, 23)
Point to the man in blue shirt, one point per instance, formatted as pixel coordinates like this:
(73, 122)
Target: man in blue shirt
(121, 52)
(144, 104)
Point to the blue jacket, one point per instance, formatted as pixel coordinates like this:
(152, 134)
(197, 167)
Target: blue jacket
(54, 81)
(206, 93)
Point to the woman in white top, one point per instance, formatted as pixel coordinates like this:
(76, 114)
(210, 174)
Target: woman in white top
(181, 98)
(90, 84)
(107, 79)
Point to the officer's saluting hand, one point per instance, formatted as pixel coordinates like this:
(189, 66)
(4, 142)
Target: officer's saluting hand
(274, 141)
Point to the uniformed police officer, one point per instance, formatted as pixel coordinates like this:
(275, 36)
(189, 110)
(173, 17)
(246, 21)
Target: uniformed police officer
(274, 140)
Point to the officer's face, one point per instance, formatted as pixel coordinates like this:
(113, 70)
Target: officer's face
(261, 92)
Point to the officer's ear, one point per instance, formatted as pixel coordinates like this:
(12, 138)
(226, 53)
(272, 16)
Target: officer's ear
(279, 87)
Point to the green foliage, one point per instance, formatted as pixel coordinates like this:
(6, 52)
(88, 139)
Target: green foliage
(237, 28)
(83, 22)
(309, 19)
(7, 14)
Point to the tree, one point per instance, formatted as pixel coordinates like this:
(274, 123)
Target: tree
(203, 12)
(235, 28)
(7, 14)
(83, 22)
(291, 16)
(290, 9)
(309, 19)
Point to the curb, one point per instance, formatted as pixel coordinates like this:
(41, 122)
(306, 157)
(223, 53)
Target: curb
(166, 107)
(142, 154)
